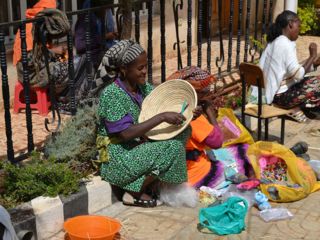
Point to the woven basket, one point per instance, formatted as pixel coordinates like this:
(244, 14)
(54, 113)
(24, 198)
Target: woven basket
(169, 97)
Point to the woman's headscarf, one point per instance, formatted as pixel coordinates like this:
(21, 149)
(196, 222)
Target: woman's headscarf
(121, 54)
(30, 13)
(198, 78)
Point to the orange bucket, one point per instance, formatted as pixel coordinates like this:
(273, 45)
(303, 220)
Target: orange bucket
(90, 227)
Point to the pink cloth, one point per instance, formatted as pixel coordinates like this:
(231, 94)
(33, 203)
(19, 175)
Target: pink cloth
(215, 138)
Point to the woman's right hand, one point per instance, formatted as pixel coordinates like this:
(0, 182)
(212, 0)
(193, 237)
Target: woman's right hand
(173, 118)
(313, 50)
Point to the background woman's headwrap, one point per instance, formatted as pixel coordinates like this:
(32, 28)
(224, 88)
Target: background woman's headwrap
(198, 78)
(121, 54)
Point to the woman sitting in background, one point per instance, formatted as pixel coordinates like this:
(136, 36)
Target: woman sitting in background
(285, 84)
(38, 75)
(205, 132)
(130, 161)
(206, 169)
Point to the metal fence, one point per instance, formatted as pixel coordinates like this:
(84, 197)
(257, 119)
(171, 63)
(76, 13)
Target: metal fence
(203, 9)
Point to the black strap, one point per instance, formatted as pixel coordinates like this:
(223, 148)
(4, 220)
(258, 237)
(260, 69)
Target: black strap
(2, 229)
(193, 154)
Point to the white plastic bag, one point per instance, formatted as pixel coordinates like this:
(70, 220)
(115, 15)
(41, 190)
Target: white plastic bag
(275, 214)
(178, 195)
(214, 192)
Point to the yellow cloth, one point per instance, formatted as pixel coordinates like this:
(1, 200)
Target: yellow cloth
(102, 143)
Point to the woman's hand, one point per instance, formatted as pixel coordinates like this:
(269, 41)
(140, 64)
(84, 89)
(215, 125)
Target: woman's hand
(316, 62)
(197, 112)
(172, 118)
(111, 35)
(313, 50)
(209, 111)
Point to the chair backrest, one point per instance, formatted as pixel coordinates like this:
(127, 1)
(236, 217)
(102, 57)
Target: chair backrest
(252, 74)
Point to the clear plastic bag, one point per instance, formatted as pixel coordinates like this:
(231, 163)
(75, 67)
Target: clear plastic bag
(249, 196)
(275, 214)
(178, 195)
(315, 164)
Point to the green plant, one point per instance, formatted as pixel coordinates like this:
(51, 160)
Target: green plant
(309, 19)
(304, 3)
(37, 178)
(260, 45)
(77, 139)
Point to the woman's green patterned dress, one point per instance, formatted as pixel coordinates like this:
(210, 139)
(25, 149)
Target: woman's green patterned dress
(130, 162)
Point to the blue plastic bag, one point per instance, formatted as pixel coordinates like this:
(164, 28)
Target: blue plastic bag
(226, 218)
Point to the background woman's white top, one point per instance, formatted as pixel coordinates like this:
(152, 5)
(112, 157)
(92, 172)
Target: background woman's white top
(280, 67)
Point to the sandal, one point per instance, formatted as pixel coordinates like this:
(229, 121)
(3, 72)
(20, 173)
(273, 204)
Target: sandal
(129, 200)
(299, 116)
(314, 132)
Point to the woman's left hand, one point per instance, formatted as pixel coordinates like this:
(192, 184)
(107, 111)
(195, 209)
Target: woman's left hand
(197, 112)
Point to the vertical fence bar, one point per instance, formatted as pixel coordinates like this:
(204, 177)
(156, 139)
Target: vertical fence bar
(150, 54)
(239, 33)
(189, 34)
(6, 97)
(230, 36)
(52, 89)
(137, 22)
(163, 39)
(71, 71)
(270, 12)
(209, 14)
(247, 32)
(220, 59)
(88, 49)
(264, 18)
(200, 5)
(253, 49)
(176, 45)
(26, 86)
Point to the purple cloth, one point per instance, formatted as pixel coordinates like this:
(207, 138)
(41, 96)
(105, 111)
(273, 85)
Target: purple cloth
(125, 122)
(215, 138)
(119, 126)
(137, 98)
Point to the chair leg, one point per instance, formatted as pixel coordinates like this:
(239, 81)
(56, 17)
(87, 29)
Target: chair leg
(259, 129)
(266, 131)
(243, 119)
(283, 120)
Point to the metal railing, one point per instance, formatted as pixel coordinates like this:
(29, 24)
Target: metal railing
(244, 14)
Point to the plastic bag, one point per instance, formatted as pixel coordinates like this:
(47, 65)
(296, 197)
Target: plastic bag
(299, 173)
(262, 201)
(178, 195)
(275, 214)
(315, 164)
(226, 218)
(249, 196)
(230, 123)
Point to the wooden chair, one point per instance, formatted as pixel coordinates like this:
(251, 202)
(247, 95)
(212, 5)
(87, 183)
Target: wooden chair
(252, 75)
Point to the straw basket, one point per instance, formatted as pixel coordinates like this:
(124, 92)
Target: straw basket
(169, 97)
